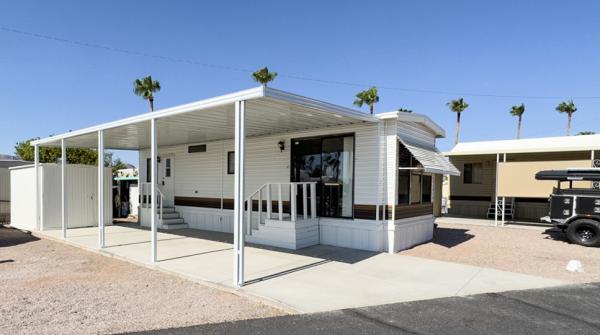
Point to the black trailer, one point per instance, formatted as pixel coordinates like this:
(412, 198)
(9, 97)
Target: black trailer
(576, 211)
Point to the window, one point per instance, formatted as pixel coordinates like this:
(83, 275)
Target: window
(473, 173)
(231, 162)
(148, 170)
(168, 167)
(196, 148)
(403, 187)
(414, 187)
(426, 193)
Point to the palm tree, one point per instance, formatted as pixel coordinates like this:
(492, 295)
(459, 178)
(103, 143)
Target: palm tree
(569, 108)
(145, 88)
(518, 111)
(457, 106)
(587, 132)
(367, 97)
(263, 76)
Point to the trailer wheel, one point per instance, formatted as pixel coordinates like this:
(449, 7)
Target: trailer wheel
(584, 232)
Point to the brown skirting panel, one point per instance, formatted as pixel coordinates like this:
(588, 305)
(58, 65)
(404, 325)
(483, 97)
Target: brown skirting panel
(410, 211)
(227, 203)
(199, 202)
(367, 212)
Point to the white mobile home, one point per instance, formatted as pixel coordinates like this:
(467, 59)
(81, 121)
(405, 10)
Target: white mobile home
(280, 169)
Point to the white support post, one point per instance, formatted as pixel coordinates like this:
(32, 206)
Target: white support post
(304, 202)
(503, 198)
(63, 205)
(101, 240)
(36, 163)
(239, 185)
(152, 197)
(496, 192)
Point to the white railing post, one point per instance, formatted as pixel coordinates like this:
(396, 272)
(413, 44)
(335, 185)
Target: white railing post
(249, 215)
(260, 205)
(304, 201)
(280, 204)
(269, 204)
(313, 200)
(293, 201)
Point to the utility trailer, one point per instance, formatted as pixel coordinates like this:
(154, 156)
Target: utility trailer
(576, 211)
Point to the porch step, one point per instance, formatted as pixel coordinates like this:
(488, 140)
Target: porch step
(174, 226)
(173, 215)
(166, 210)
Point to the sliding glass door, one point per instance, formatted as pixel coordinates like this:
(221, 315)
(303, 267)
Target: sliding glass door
(329, 161)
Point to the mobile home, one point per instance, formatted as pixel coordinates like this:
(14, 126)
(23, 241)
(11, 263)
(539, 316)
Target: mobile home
(501, 174)
(280, 169)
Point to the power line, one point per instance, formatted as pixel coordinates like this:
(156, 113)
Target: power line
(290, 76)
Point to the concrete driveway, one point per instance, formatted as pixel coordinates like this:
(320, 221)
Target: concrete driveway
(320, 278)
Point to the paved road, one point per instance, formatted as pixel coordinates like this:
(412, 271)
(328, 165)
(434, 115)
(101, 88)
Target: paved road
(560, 310)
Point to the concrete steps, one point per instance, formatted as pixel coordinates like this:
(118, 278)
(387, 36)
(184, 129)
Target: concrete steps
(172, 219)
(286, 234)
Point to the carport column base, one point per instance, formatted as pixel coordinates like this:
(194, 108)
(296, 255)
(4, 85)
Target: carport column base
(238, 205)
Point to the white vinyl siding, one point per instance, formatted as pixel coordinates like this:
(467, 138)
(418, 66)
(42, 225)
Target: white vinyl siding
(200, 174)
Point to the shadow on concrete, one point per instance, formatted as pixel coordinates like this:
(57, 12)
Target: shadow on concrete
(450, 237)
(323, 252)
(11, 236)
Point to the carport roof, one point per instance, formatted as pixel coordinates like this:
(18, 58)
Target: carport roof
(268, 111)
(529, 145)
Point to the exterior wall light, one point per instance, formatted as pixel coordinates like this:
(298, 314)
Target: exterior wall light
(281, 145)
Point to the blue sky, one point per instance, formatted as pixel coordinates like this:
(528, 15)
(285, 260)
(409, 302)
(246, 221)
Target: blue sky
(526, 49)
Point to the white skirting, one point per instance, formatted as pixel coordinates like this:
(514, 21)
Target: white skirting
(368, 235)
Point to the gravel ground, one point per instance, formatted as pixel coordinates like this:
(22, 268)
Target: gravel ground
(530, 251)
(52, 288)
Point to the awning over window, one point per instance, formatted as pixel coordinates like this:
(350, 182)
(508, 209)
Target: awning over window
(432, 160)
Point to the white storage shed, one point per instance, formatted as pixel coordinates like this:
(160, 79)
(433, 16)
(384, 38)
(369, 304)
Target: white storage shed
(81, 191)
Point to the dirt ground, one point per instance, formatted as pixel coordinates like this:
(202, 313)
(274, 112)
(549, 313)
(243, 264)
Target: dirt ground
(531, 251)
(48, 287)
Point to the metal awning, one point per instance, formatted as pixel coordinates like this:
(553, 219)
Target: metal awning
(268, 111)
(432, 160)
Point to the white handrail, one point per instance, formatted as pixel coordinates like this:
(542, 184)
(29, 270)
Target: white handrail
(145, 191)
(308, 189)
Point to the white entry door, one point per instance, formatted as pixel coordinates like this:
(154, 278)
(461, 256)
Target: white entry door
(165, 179)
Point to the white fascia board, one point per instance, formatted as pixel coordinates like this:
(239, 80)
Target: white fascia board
(417, 118)
(230, 98)
(317, 104)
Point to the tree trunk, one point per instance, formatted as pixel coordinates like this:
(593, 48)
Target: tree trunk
(569, 126)
(519, 129)
(151, 104)
(371, 108)
(457, 127)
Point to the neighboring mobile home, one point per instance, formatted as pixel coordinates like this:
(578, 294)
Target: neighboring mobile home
(281, 169)
(497, 172)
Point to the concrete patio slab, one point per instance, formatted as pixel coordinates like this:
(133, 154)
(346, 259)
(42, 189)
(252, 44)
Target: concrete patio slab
(318, 278)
